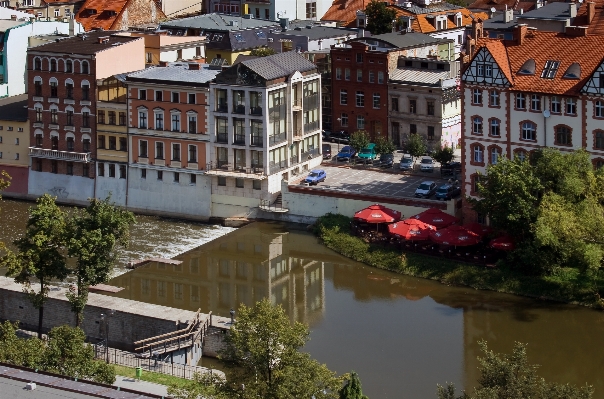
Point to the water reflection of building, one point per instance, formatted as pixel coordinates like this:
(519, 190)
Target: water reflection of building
(254, 262)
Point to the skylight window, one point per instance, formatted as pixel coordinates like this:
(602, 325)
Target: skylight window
(528, 68)
(239, 37)
(550, 69)
(260, 34)
(217, 37)
(573, 71)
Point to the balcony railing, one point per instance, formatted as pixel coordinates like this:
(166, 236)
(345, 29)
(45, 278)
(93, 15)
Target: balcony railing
(61, 155)
(239, 109)
(222, 108)
(297, 134)
(256, 111)
(275, 167)
(227, 167)
(277, 138)
(256, 141)
(310, 154)
(311, 127)
(222, 138)
(239, 140)
(297, 105)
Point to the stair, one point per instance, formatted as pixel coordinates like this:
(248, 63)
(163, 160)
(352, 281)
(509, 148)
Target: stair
(278, 201)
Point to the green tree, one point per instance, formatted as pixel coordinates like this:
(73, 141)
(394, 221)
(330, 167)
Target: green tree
(415, 146)
(352, 388)
(41, 253)
(510, 376)
(19, 351)
(384, 146)
(263, 360)
(359, 140)
(379, 17)
(94, 238)
(262, 51)
(444, 155)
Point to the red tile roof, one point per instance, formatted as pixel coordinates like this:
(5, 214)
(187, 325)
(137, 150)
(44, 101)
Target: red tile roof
(596, 26)
(421, 24)
(345, 11)
(107, 13)
(501, 5)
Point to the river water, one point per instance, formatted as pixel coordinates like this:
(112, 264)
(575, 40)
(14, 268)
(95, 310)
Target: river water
(401, 334)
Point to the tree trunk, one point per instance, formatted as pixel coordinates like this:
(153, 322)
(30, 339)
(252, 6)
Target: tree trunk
(78, 310)
(41, 311)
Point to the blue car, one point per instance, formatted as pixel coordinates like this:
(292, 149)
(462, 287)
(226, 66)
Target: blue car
(316, 176)
(447, 191)
(346, 154)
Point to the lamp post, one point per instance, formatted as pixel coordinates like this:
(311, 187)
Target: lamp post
(339, 120)
(105, 321)
(232, 312)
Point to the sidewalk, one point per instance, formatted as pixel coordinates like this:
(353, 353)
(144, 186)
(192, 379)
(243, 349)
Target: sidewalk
(141, 386)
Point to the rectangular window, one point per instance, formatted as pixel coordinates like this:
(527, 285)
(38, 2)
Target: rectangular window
(488, 70)
(430, 133)
(394, 102)
(412, 128)
(69, 168)
(221, 181)
(142, 149)
(376, 100)
(360, 99)
(476, 96)
(256, 184)
(344, 119)
(85, 92)
(54, 116)
(347, 74)
(85, 170)
(122, 117)
(556, 107)
(343, 97)
(101, 141)
(159, 95)
(192, 179)
(69, 91)
(142, 119)
(69, 114)
(175, 97)
(480, 70)
(338, 73)
(101, 117)
(176, 177)
(143, 173)
(111, 115)
(520, 101)
(191, 97)
(380, 77)
(192, 124)
(160, 175)
(430, 107)
(571, 106)
(101, 169)
(494, 98)
(123, 144)
(192, 153)
(111, 170)
(176, 122)
(176, 152)
(359, 75)
(239, 182)
(495, 128)
(142, 94)
(159, 150)
(159, 121)
(535, 102)
(112, 143)
(53, 89)
(85, 119)
(412, 106)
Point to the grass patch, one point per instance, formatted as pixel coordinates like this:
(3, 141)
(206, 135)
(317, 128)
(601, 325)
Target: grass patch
(150, 376)
(566, 285)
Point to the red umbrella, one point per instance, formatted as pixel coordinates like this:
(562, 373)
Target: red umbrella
(478, 228)
(436, 218)
(455, 235)
(504, 243)
(378, 214)
(411, 230)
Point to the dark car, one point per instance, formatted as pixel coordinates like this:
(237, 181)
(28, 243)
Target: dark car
(447, 191)
(451, 168)
(346, 154)
(326, 151)
(340, 137)
(425, 189)
(386, 161)
(315, 176)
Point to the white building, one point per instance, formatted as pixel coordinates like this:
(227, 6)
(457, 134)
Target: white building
(291, 9)
(265, 125)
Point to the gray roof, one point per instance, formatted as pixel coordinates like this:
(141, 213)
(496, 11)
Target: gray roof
(497, 22)
(279, 65)
(87, 43)
(218, 22)
(176, 72)
(14, 108)
(405, 39)
(315, 32)
(558, 11)
(418, 76)
(438, 7)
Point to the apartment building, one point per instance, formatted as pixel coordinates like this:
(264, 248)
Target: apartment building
(541, 89)
(265, 128)
(360, 68)
(425, 100)
(62, 91)
(168, 139)
(14, 143)
(62, 9)
(292, 9)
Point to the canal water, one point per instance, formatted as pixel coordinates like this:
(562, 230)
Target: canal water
(402, 335)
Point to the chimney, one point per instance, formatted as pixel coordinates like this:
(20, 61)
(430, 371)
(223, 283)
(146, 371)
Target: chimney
(591, 11)
(508, 15)
(572, 9)
(576, 31)
(163, 63)
(194, 66)
(13, 17)
(521, 30)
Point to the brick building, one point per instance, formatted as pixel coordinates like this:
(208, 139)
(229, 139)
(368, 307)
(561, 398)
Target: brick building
(62, 90)
(360, 69)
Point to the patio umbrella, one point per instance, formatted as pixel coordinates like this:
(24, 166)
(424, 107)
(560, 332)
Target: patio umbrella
(478, 228)
(411, 230)
(378, 214)
(457, 236)
(436, 218)
(504, 243)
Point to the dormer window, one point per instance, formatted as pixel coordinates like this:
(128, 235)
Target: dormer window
(573, 71)
(528, 68)
(550, 69)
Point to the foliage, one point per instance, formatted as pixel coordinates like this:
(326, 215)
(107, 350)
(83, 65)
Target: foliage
(150, 376)
(262, 51)
(352, 389)
(94, 237)
(379, 17)
(415, 146)
(66, 353)
(41, 253)
(4, 180)
(206, 385)
(359, 140)
(510, 376)
(384, 146)
(444, 155)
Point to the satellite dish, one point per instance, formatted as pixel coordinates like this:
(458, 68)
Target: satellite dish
(546, 113)
(493, 9)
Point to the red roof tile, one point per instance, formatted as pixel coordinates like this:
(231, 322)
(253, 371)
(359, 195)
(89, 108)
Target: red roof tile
(422, 25)
(596, 26)
(345, 11)
(107, 12)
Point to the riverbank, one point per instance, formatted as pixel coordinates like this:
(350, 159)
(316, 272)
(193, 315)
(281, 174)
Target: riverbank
(568, 285)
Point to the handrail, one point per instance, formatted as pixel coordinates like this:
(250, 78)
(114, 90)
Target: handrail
(186, 330)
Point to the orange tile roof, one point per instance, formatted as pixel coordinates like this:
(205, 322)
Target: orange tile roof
(345, 11)
(596, 27)
(543, 46)
(107, 13)
(422, 25)
(501, 5)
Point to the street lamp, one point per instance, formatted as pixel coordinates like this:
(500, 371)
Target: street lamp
(339, 119)
(232, 312)
(105, 321)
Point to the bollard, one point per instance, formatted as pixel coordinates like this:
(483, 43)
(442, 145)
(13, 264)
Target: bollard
(139, 373)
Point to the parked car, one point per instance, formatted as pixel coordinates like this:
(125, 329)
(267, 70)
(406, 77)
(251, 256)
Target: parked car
(326, 134)
(426, 165)
(451, 168)
(425, 189)
(447, 191)
(326, 151)
(340, 137)
(315, 176)
(406, 162)
(386, 161)
(346, 154)
(368, 153)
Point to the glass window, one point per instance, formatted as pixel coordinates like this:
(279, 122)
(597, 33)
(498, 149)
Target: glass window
(111, 170)
(380, 77)
(142, 119)
(101, 117)
(192, 178)
(494, 98)
(563, 135)
(111, 117)
(495, 154)
(122, 171)
(360, 122)
(535, 102)
(176, 122)
(142, 94)
(495, 127)
(142, 149)
(338, 73)
(556, 105)
(344, 119)
(394, 102)
(478, 154)
(412, 106)
(430, 107)
(477, 125)
(85, 119)
(360, 99)
(192, 124)
(191, 100)
(122, 117)
(571, 106)
(175, 97)
(347, 74)
(520, 101)
(123, 144)
(101, 169)
(376, 100)
(112, 143)
(343, 97)
(70, 144)
(159, 121)
(599, 140)
(192, 153)
(176, 152)
(371, 77)
(528, 131)
(159, 150)
(599, 109)
(359, 75)
(476, 96)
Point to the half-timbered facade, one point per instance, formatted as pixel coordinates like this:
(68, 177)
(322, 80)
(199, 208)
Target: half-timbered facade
(542, 89)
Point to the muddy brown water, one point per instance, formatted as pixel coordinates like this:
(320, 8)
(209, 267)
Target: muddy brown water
(403, 335)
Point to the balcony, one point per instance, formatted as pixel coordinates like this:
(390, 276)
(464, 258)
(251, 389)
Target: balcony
(35, 152)
(310, 154)
(222, 108)
(239, 109)
(311, 127)
(297, 134)
(256, 141)
(223, 168)
(297, 105)
(256, 111)
(275, 167)
(222, 138)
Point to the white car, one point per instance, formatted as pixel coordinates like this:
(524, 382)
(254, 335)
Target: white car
(425, 189)
(426, 165)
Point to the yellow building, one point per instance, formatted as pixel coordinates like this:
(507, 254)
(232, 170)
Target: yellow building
(14, 143)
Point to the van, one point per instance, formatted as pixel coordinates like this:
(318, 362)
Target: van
(368, 153)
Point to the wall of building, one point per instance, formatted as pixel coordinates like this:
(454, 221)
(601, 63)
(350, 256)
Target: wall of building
(19, 181)
(14, 143)
(115, 187)
(67, 189)
(173, 8)
(137, 12)
(228, 55)
(131, 57)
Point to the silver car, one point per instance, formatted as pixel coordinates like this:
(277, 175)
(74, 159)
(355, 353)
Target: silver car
(427, 164)
(406, 162)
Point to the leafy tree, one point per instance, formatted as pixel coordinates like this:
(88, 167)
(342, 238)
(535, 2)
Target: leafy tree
(263, 360)
(94, 237)
(4, 180)
(41, 253)
(379, 17)
(444, 155)
(262, 51)
(384, 145)
(359, 140)
(352, 388)
(510, 376)
(415, 146)
(18, 351)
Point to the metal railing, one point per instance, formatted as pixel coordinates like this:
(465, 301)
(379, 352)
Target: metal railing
(255, 110)
(310, 154)
(61, 155)
(225, 166)
(256, 141)
(277, 166)
(222, 138)
(277, 138)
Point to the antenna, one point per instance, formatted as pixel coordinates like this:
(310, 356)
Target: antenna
(493, 9)
(546, 113)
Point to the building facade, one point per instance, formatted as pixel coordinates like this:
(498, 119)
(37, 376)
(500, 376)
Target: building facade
(14, 142)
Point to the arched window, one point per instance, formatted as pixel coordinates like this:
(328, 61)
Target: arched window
(70, 138)
(529, 131)
(53, 87)
(563, 135)
(53, 65)
(84, 67)
(54, 140)
(477, 125)
(54, 114)
(521, 155)
(86, 142)
(85, 90)
(69, 88)
(69, 66)
(37, 63)
(38, 109)
(39, 136)
(69, 115)
(85, 117)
